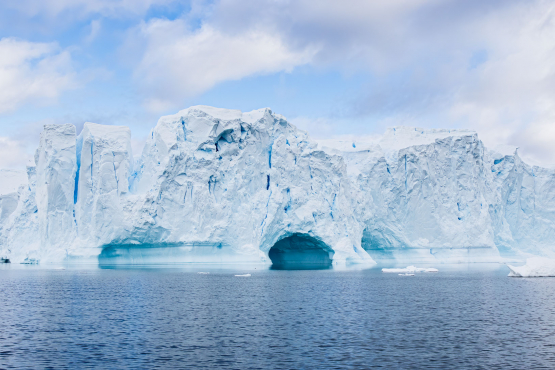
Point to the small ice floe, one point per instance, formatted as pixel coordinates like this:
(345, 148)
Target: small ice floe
(59, 268)
(244, 275)
(534, 267)
(203, 273)
(406, 274)
(410, 270)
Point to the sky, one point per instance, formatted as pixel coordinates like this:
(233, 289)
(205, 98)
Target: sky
(333, 68)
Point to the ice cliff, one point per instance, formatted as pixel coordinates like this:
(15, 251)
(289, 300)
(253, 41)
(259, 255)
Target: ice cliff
(216, 185)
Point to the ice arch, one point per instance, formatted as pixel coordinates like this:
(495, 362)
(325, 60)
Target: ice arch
(300, 252)
(380, 244)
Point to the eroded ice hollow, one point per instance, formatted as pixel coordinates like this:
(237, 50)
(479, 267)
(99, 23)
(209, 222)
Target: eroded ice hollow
(169, 253)
(301, 252)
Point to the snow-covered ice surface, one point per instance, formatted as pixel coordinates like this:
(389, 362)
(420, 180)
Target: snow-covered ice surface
(534, 267)
(409, 270)
(218, 185)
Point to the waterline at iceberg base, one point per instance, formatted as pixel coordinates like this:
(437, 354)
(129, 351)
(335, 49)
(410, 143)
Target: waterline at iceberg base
(222, 186)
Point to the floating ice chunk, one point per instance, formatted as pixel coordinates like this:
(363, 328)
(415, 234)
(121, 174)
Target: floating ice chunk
(534, 267)
(244, 275)
(406, 274)
(409, 270)
(203, 273)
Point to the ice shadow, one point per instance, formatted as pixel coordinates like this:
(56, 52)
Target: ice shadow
(300, 252)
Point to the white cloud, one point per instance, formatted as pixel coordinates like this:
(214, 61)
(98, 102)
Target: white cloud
(510, 97)
(13, 154)
(179, 63)
(96, 26)
(487, 66)
(32, 71)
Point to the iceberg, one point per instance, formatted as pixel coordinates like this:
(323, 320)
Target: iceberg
(225, 186)
(534, 267)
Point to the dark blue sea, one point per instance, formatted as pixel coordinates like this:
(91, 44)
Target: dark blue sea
(464, 317)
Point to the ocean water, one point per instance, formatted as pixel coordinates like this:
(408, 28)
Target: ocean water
(464, 317)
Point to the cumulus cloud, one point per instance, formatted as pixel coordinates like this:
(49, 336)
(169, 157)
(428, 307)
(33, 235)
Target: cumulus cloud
(13, 154)
(352, 34)
(178, 62)
(32, 71)
(509, 98)
(239, 38)
(96, 27)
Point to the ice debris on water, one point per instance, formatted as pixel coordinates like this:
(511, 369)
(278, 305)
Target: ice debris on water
(406, 274)
(244, 275)
(534, 267)
(409, 270)
(203, 273)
